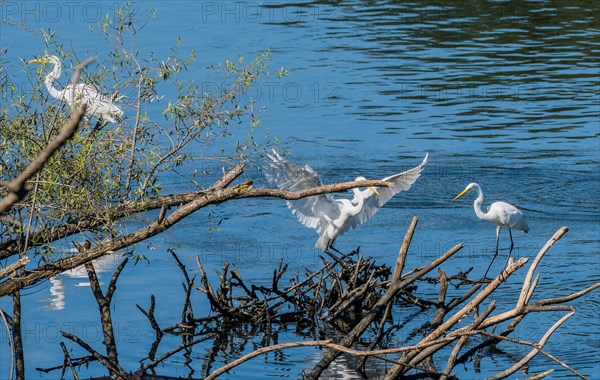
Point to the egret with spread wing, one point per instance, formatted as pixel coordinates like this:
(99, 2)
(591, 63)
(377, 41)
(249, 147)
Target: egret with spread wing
(98, 104)
(329, 216)
(500, 213)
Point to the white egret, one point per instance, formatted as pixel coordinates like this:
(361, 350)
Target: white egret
(500, 213)
(329, 216)
(98, 104)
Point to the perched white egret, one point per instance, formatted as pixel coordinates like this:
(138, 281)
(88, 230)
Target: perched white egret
(329, 216)
(500, 213)
(98, 104)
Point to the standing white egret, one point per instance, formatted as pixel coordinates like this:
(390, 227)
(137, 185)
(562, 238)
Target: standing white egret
(500, 213)
(98, 104)
(329, 216)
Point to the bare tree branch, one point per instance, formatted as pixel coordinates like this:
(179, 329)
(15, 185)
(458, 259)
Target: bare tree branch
(11, 247)
(12, 268)
(514, 368)
(101, 358)
(261, 351)
(215, 195)
(404, 250)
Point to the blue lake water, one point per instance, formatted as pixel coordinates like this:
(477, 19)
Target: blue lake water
(505, 94)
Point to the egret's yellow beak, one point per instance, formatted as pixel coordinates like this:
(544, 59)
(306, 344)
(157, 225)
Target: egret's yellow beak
(42, 59)
(461, 194)
(373, 190)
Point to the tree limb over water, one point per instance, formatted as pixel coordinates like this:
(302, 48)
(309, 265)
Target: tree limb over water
(186, 204)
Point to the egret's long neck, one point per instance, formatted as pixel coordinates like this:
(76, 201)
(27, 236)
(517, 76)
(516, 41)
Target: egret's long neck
(349, 209)
(51, 79)
(356, 208)
(477, 204)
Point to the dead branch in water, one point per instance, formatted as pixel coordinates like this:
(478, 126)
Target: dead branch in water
(420, 357)
(345, 298)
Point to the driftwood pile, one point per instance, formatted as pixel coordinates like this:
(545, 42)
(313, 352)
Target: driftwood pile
(350, 305)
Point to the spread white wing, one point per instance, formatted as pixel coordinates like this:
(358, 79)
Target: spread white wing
(372, 203)
(313, 212)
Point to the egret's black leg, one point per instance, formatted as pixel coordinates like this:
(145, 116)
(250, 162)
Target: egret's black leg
(335, 257)
(511, 248)
(488, 269)
(99, 124)
(495, 252)
(335, 249)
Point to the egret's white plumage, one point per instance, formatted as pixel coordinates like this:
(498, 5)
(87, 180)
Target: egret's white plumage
(98, 104)
(500, 213)
(329, 216)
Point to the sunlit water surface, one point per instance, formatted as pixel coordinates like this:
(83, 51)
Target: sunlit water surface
(504, 94)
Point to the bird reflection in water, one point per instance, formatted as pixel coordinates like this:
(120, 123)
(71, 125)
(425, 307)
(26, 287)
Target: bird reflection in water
(57, 299)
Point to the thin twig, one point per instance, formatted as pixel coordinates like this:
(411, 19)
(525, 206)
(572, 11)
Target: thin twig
(68, 361)
(514, 368)
(160, 359)
(112, 286)
(261, 351)
(537, 347)
(150, 315)
(113, 367)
